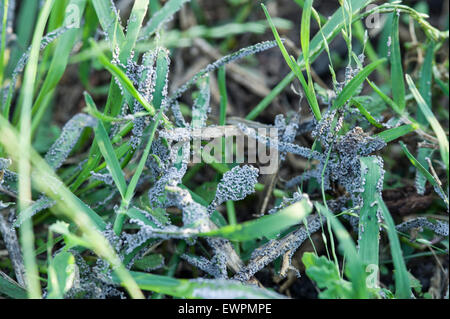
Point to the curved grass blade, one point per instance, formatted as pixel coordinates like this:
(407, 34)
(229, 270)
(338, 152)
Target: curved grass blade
(329, 31)
(369, 228)
(309, 89)
(365, 113)
(24, 146)
(12, 290)
(425, 173)
(199, 288)
(70, 134)
(107, 151)
(266, 225)
(401, 275)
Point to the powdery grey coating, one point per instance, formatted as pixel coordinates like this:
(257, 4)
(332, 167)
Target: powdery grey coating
(39, 205)
(439, 228)
(70, 134)
(12, 245)
(201, 107)
(236, 184)
(105, 178)
(225, 60)
(211, 267)
(273, 249)
(90, 282)
(46, 40)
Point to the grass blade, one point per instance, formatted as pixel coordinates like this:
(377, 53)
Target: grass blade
(402, 284)
(11, 289)
(437, 128)
(161, 16)
(205, 288)
(398, 84)
(352, 86)
(26, 96)
(310, 95)
(396, 132)
(265, 225)
(108, 153)
(436, 184)
(369, 228)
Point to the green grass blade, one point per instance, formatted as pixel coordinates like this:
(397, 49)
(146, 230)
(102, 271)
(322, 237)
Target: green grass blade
(266, 225)
(107, 151)
(46, 181)
(137, 15)
(401, 275)
(355, 267)
(365, 113)
(425, 81)
(369, 228)
(109, 21)
(161, 16)
(11, 289)
(58, 64)
(329, 31)
(309, 90)
(305, 29)
(201, 105)
(396, 132)
(162, 70)
(352, 86)
(425, 173)
(398, 82)
(26, 96)
(61, 270)
(434, 123)
(206, 288)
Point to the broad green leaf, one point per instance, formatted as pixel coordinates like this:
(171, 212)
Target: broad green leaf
(11, 289)
(324, 273)
(396, 132)
(161, 16)
(425, 173)
(61, 272)
(309, 89)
